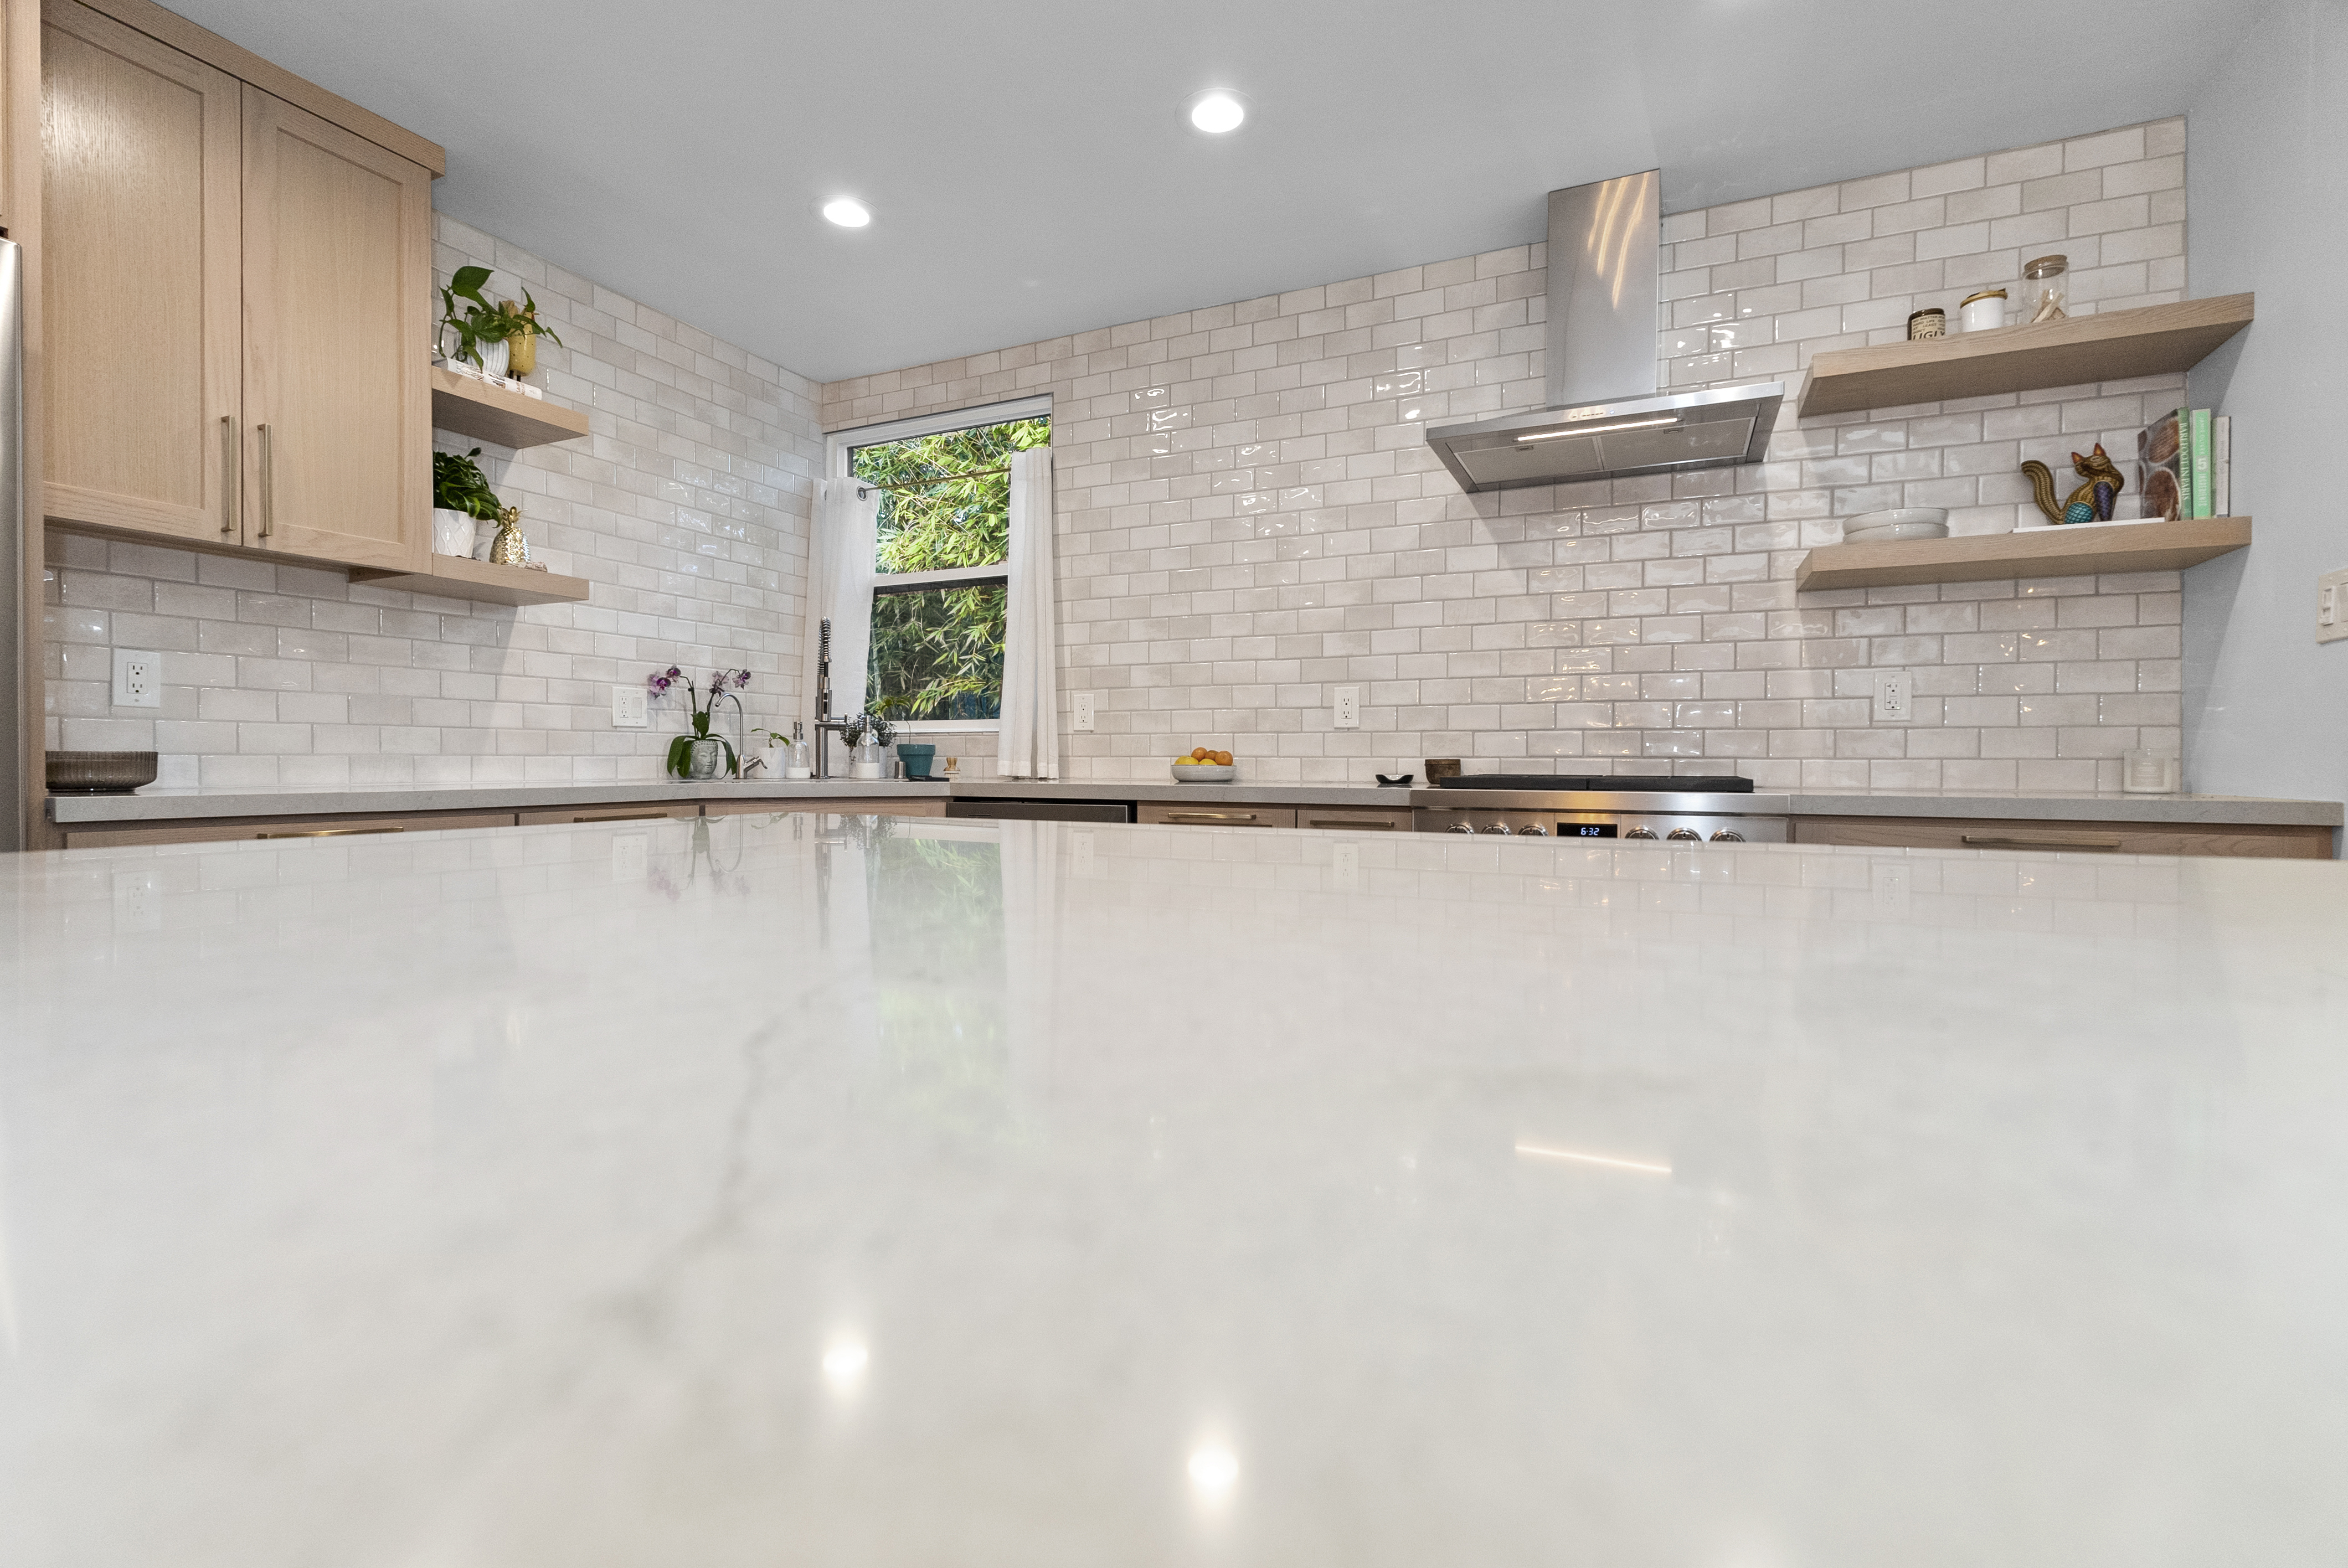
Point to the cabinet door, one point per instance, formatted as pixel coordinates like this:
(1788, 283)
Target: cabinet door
(2283, 843)
(337, 282)
(139, 199)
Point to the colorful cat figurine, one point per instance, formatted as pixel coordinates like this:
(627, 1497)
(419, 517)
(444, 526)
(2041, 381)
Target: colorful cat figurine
(2091, 502)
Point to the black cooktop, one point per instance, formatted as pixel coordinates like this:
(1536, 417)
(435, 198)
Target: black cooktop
(1683, 783)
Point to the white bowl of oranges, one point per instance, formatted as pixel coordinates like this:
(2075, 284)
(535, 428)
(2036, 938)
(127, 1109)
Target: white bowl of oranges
(1203, 766)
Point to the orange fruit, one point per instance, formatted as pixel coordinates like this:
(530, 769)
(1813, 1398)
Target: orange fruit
(1201, 755)
(1223, 759)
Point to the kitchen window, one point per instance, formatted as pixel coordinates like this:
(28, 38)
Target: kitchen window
(941, 548)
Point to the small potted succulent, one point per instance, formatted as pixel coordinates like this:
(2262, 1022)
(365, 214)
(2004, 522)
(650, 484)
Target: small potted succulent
(702, 755)
(461, 499)
(500, 338)
(867, 736)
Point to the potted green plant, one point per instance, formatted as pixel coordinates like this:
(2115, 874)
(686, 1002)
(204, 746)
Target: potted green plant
(499, 338)
(698, 754)
(867, 736)
(461, 499)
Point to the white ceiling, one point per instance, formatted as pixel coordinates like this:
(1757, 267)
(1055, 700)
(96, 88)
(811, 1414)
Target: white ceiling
(1032, 175)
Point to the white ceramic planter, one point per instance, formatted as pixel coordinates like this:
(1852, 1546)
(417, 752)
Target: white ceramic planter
(452, 532)
(495, 357)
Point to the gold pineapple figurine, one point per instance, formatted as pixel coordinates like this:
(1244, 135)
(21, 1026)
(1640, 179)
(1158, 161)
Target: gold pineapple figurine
(510, 548)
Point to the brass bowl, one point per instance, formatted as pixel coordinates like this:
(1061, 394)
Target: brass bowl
(100, 773)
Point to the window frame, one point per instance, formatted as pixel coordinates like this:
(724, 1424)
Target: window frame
(839, 445)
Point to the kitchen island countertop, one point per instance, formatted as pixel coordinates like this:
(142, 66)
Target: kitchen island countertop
(826, 1190)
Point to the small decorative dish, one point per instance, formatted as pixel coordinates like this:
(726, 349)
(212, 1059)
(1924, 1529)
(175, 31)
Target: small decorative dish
(1899, 523)
(1395, 781)
(1205, 772)
(100, 773)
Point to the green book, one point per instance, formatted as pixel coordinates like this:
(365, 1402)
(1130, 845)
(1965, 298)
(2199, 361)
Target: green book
(2184, 462)
(2201, 473)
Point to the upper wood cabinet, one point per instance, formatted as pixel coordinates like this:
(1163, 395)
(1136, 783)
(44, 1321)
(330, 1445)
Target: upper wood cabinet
(237, 297)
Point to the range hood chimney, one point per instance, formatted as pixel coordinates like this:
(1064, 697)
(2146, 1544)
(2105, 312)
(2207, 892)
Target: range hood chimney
(1604, 418)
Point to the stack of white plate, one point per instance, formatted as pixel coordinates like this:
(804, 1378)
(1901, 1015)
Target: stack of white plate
(1900, 523)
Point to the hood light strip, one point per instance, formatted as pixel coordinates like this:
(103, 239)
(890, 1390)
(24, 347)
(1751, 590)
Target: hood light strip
(1598, 429)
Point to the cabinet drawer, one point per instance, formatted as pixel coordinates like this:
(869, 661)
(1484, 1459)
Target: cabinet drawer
(1354, 818)
(830, 804)
(642, 811)
(1181, 814)
(299, 827)
(2066, 837)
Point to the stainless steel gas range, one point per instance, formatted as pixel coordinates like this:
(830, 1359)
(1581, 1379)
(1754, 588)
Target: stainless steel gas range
(1687, 810)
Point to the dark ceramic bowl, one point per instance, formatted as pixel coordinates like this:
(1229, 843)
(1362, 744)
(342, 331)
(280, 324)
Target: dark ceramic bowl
(1441, 768)
(100, 773)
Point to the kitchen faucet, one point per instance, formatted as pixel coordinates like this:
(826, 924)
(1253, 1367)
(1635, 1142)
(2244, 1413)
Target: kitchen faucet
(823, 719)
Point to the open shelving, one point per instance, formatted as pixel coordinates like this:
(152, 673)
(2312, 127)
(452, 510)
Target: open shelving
(2112, 345)
(459, 577)
(471, 407)
(2084, 549)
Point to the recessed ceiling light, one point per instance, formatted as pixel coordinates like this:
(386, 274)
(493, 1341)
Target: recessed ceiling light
(847, 212)
(1217, 110)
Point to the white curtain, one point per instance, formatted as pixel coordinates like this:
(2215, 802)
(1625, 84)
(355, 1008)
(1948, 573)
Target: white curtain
(845, 591)
(1031, 693)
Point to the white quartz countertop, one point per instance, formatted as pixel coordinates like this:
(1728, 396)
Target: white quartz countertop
(162, 806)
(792, 1190)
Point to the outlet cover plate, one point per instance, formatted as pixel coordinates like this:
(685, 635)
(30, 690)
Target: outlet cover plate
(631, 708)
(1349, 708)
(137, 679)
(1080, 710)
(1895, 696)
(2335, 583)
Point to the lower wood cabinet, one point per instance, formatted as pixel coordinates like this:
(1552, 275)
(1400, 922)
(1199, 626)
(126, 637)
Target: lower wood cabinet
(2108, 837)
(643, 811)
(1184, 815)
(291, 829)
(1354, 818)
(832, 806)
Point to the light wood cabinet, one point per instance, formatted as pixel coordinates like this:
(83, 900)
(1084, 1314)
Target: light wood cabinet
(829, 806)
(643, 811)
(238, 300)
(291, 829)
(2291, 842)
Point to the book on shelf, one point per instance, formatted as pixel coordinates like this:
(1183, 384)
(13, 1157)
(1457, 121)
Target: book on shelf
(2184, 465)
(2221, 466)
(2201, 474)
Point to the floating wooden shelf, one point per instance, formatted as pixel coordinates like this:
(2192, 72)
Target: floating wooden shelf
(456, 577)
(2083, 550)
(470, 407)
(2113, 346)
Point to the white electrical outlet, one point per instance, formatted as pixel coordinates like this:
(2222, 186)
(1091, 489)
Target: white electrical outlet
(1080, 710)
(1895, 693)
(1349, 707)
(1888, 882)
(138, 901)
(2331, 606)
(1080, 854)
(632, 708)
(632, 856)
(137, 679)
(1345, 867)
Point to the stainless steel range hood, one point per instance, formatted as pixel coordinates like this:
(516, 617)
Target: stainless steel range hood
(1605, 419)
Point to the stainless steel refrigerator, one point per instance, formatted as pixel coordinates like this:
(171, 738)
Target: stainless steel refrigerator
(16, 647)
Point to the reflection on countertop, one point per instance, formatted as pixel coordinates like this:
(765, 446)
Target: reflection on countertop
(821, 1188)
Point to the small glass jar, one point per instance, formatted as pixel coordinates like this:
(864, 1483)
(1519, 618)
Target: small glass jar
(2148, 773)
(864, 761)
(1927, 324)
(1982, 313)
(2048, 287)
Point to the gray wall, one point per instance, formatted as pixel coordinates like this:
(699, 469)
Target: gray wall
(2266, 709)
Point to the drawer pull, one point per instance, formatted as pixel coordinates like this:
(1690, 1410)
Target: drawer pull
(268, 486)
(639, 816)
(1365, 826)
(328, 832)
(2043, 840)
(1210, 816)
(229, 465)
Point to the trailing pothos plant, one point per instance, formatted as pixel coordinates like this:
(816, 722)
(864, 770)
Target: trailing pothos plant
(723, 685)
(480, 322)
(459, 486)
(867, 728)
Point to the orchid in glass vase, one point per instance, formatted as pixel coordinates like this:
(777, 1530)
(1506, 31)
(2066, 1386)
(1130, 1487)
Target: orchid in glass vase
(696, 755)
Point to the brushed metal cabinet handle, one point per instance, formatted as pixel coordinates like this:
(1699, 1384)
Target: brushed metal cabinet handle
(1365, 826)
(2047, 841)
(640, 817)
(1210, 816)
(268, 485)
(229, 466)
(329, 832)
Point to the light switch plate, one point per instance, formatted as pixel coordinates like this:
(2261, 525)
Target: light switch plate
(1895, 694)
(1080, 710)
(1349, 707)
(2332, 596)
(631, 708)
(137, 679)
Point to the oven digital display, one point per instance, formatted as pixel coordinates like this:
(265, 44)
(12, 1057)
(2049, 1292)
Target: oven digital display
(1585, 830)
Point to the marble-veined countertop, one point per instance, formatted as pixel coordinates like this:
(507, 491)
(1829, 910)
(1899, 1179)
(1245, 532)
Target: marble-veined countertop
(807, 1190)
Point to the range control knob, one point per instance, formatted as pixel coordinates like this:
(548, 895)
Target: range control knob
(1500, 827)
(1641, 833)
(1461, 827)
(1535, 831)
(1724, 836)
(1686, 835)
